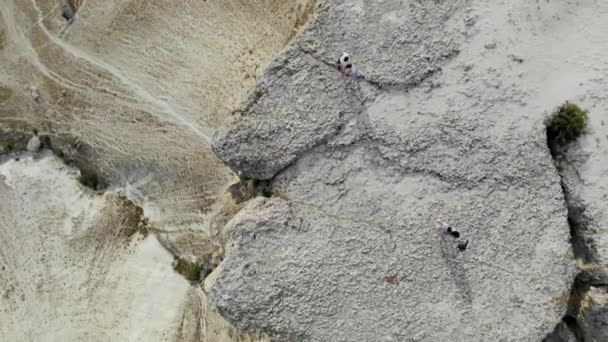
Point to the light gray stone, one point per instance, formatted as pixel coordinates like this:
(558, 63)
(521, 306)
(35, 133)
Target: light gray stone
(33, 145)
(302, 99)
(353, 254)
(348, 250)
(585, 174)
(300, 103)
(393, 43)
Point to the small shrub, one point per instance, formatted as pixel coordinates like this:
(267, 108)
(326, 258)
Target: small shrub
(189, 269)
(585, 304)
(90, 179)
(143, 227)
(566, 124)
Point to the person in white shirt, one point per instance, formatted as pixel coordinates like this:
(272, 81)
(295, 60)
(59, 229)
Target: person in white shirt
(346, 66)
(446, 228)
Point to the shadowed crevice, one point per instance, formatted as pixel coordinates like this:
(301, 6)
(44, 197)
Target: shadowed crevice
(583, 246)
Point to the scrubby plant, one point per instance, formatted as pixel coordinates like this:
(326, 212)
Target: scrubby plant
(90, 179)
(566, 124)
(190, 269)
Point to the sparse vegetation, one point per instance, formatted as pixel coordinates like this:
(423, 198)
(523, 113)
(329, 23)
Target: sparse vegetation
(90, 178)
(134, 220)
(585, 304)
(189, 269)
(561, 301)
(566, 124)
(2, 38)
(392, 279)
(280, 194)
(5, 93)
(143, 227)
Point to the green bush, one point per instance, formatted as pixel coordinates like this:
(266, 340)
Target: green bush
(190, 270)
(90, 179)
(566, 124)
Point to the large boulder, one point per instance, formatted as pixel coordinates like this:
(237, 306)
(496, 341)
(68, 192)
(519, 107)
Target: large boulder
(347, 248)
(301, 100)
(352, 252)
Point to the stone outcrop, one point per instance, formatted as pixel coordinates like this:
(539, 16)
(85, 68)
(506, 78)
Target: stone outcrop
(346, 248)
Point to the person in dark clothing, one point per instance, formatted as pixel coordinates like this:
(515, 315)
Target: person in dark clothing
(462, 245)
(454, 233)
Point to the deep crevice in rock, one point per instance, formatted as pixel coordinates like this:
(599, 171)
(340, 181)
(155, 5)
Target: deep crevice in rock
(577, 293)
(578, 221)
(582, 246)
(383, 86)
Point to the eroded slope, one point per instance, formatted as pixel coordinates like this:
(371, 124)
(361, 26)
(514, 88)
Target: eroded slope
(129, 91)
(76, 265)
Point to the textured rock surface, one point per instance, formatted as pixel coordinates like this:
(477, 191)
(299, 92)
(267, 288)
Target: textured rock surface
(301, 100)
(33, 145)
(446, 120)
(298, 104)
(354, 252)
(348, 249)
(584, 171)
